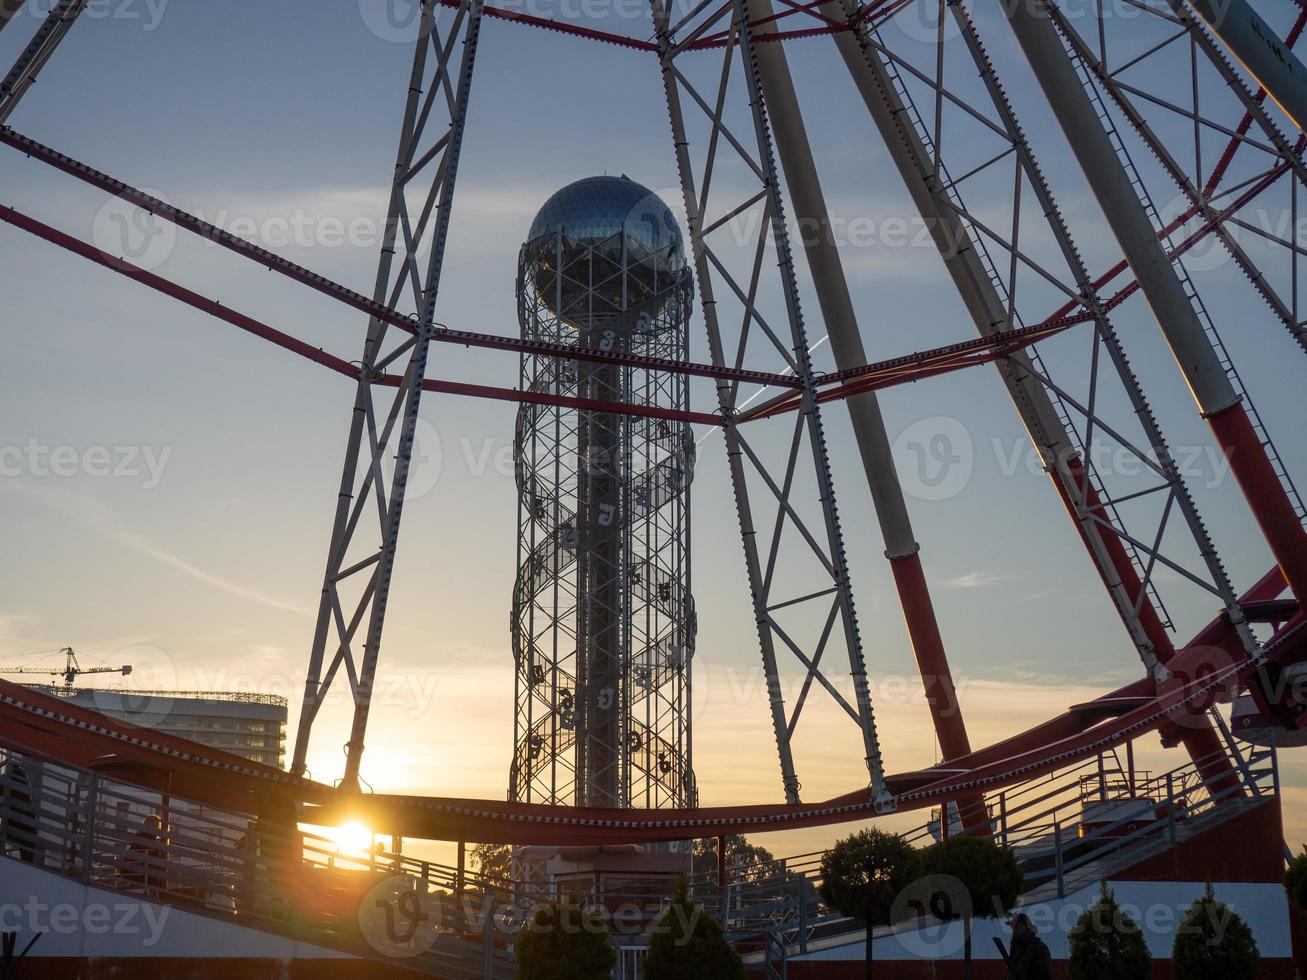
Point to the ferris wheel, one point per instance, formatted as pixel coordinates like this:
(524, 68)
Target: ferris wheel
(1102, 81)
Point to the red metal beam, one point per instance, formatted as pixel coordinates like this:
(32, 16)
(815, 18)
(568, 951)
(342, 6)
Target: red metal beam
(1223, 164)
(317, 354)
(915, 367)
(549, 24)
(1218, 172)
(883, 371)
(1271, 506)
(38, 720)
(327, 287)
(1005, 342)
(563, 401)
(1125, 292)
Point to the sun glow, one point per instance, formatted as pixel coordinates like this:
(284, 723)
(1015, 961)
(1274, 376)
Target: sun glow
(351, 838)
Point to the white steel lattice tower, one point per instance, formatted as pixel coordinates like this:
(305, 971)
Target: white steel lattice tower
(603, 621)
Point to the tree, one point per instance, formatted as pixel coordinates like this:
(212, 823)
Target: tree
(988, 881)
(686, 944)
(1106, 944)
(1213, 943)
(863, 874)
(565, 942)
(744, 860)
(1295, 880)
(493, 861)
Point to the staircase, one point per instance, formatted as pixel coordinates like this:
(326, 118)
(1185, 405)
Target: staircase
(1069, 830)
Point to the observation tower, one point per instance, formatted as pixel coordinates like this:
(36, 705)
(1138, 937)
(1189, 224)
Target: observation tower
(602, 617)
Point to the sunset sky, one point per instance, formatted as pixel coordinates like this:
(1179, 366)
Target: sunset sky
(199, 559)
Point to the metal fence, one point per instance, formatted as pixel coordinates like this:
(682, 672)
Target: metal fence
(1067, 829)
(116, 835)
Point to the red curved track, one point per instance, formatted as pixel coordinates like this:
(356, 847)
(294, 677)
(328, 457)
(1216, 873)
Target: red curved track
(1212, 664)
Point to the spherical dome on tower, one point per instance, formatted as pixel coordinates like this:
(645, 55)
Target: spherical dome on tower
(617, 244)
(596, 209)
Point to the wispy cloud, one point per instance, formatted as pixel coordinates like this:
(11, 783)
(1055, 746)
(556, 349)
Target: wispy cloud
(1041, 594)
(95, 515)
(977, 579)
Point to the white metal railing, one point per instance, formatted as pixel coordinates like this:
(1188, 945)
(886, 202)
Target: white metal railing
(1067, 829)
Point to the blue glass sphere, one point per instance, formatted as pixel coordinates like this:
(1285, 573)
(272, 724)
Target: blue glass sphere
(617, 244)
(597, 209)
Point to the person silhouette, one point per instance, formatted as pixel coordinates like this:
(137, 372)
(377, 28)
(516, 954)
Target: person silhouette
(1028, 958)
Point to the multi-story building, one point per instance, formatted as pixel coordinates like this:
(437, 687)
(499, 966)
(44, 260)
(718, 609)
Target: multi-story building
(252, 726)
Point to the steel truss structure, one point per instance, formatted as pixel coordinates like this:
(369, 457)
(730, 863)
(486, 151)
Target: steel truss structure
(1043, 317)
(421, 205)
(602, 618)
(823, 583)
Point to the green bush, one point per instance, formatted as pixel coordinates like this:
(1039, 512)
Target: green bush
(863, 874)
(688, 945)
(1295, 880)
(1213, 943)
(565, 942)
(1106, 944)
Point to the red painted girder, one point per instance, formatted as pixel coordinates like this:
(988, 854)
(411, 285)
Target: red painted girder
(275, 263)
(549, 24)
(78, 735)
(1198, 235)
(327, 287)
(207, 775)
(1218, 172)
(1223, 164)
(915, 367)
(561, 401)
(317, 354)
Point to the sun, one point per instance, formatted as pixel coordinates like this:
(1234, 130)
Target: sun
(351, 838)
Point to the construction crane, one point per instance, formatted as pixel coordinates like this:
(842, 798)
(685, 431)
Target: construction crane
(72, 669)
